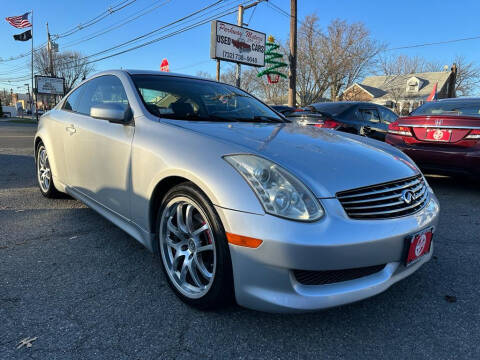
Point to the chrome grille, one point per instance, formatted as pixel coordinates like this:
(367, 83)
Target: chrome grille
(388, 200)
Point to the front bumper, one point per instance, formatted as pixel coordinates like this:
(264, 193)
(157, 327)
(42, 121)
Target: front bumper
(264, 277)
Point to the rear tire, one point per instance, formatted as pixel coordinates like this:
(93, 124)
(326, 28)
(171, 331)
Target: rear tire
(194, 249)
(44, 173)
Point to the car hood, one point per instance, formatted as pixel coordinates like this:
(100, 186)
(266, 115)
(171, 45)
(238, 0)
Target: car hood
(326, 161)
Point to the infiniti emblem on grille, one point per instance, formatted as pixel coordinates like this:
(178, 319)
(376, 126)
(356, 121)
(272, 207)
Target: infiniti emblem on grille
(407, 196)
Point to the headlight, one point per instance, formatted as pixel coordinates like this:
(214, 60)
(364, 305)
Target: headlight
(280, 193)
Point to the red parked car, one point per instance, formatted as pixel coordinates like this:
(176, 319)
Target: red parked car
(441, 136)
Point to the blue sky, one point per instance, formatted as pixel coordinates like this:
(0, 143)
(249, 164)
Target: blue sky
(397, 23)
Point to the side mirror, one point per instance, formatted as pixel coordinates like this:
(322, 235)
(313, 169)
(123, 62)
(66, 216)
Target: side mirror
(115, 113)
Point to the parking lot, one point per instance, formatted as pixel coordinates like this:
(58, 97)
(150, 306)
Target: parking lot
(85, 289)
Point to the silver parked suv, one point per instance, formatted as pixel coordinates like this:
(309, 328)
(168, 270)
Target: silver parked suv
(238, 202)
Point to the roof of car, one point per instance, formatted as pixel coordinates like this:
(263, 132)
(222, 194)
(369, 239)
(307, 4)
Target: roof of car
(460, 99)
(147, 72)
(346, 103)
(163, 73)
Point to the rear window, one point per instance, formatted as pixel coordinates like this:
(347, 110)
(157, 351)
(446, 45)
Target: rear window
(333, 109)
(458, 107)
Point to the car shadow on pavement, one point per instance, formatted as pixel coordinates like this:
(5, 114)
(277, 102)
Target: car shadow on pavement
(465, 183)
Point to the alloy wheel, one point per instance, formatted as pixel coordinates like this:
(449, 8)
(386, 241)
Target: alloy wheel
(187, 247)
(44, 173)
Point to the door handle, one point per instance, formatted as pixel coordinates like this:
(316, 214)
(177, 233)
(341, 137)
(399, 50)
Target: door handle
(71, 129)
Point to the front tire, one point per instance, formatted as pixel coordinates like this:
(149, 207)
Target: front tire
(44, 173)
(194, 249)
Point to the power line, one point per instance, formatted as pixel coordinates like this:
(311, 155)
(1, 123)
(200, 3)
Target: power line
(142, 12)
(156, 30)
(283, 12)
(434, 43)
(79, 27)
(173, 33)
(191, 65)
(96, 19)
(164, 28)
(216, 16)
(201, 22)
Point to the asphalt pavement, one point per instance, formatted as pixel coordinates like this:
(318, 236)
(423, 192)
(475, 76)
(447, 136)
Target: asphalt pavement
(86, 290)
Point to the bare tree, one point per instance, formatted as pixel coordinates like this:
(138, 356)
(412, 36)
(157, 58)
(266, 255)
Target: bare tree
(312, 74)
(248, 79)
(332, 59)
(468, 77)
(402, 64)
(348, 51)
(70, 65)
(468, 73)
(205, 74)
(272, 93)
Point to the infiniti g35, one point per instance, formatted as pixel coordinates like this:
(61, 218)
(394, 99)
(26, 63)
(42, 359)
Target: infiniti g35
(238, 202)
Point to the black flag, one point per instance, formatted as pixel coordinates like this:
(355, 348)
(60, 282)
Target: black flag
(27, 35)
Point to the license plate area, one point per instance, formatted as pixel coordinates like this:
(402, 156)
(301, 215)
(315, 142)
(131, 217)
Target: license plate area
(442, 135)
(417, 246)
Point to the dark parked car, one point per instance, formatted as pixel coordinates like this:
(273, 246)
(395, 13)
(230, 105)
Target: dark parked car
(360, 118)
(441, 136)
(283, 109)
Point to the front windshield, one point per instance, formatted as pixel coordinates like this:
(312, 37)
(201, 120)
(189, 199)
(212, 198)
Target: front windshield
(180, 98)
(456, 107)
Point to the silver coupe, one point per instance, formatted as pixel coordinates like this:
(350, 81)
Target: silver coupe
(238, 202)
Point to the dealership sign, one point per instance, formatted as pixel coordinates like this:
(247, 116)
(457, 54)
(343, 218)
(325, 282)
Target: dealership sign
(49, 85)
(237, 44)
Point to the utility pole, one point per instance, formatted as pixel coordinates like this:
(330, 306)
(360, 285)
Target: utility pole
(238, 73)
(241, 9)
(292, 76)
(33, 109)
(49, 50)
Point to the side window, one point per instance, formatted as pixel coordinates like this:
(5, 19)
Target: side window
(102, 90)
(71, 104)
(387, 115)
(370, 115)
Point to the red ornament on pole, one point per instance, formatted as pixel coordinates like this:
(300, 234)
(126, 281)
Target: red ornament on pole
(164, 65)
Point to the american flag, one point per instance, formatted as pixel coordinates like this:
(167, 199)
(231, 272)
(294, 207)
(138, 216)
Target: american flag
(19, 21)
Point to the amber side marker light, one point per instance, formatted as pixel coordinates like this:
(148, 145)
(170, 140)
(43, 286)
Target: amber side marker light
(243, 240)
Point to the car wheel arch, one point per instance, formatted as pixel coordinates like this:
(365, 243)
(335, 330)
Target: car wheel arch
(163, 185)
(37, 142)
(159, 192)
(51, 156)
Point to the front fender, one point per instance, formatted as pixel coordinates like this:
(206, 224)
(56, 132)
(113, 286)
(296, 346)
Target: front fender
(161, 151)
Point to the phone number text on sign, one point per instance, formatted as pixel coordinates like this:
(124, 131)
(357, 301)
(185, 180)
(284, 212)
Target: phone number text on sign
(236, 44)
